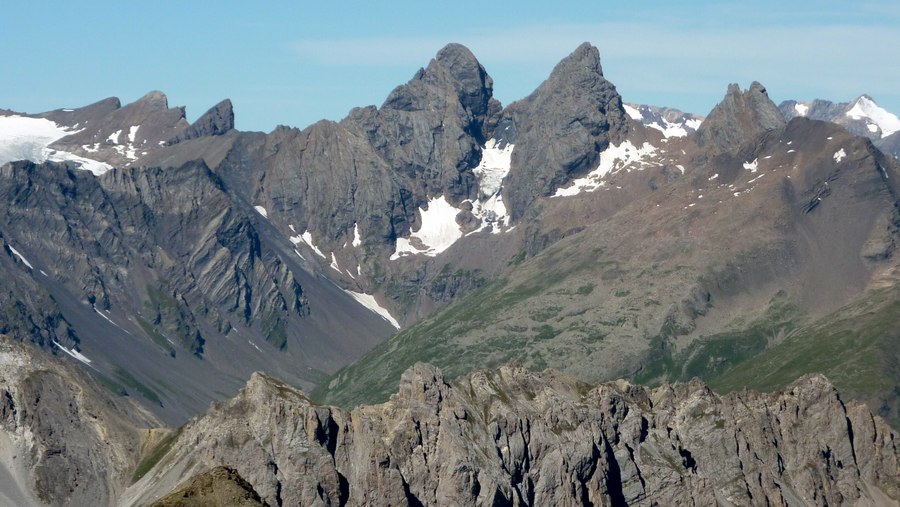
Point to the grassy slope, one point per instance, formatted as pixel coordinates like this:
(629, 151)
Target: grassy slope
(857, 347)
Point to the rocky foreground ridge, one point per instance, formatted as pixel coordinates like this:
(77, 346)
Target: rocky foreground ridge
(514, 437)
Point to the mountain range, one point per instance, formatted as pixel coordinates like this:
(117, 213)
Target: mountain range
(164, 261)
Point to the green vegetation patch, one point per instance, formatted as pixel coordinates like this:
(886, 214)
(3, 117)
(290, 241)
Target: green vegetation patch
(156, 453)
(857, 348)
(128, 380)
(713, 355)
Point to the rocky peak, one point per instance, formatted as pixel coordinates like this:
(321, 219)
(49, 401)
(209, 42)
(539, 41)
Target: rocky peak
(454, 75)
(471, 81)
(741, 117)
(577, 108)
(583, 63)
(154, 100)
(453, 69)
(497, 436)
(218, 120)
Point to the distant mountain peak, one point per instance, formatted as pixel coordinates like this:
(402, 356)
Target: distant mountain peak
(584, 62)
(740, 117)
(218, 120)
(155, 98)
(670, 121)
(877, 118)
(861, 116)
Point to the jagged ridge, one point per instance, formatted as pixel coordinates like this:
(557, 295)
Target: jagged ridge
(514, 437)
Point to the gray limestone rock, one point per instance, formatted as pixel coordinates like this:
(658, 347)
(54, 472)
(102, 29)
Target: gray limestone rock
(513, 437)
(64, 439)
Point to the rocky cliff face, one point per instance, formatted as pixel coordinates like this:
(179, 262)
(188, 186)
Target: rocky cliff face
(64, 439)
(512, 437)
(167, 255)
(577, 108)
(741, 117)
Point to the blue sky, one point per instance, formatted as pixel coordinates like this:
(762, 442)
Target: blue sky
(294, 63)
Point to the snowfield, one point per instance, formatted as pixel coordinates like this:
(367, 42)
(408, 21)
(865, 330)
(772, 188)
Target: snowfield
(23, 138)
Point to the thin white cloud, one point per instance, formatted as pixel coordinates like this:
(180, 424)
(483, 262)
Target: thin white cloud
(835, 61)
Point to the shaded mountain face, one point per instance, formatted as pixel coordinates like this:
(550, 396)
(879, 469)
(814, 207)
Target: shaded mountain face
(740, 118)
(743, 251)
(166, 284)
(171, 260)
(510, 436)
(861, 116)
(589, 240)
(577, 108)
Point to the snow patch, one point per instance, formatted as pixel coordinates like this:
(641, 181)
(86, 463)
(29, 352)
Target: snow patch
(839, 155)
(492, 213)
(74, 353)
(437, 233)
(494, 166)
(23, 138)
(669, 129)
(633, 112)
(714, 176)
(132, 132)
(306, 237)
(612, 160)
(262, 211)
(20, 256)
(756, 178)
(867, 108)
(357, 240)
(752, 166)
(801, 109)
(114, 137)
(369, 302)
(334, 264)
(439, 230)
(105, 317)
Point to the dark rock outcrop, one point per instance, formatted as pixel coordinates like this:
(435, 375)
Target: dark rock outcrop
(740, 117)
(167, 264)
(215, 122)
(579, 110)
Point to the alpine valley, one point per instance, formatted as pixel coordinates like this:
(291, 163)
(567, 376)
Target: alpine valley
(567, 300)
